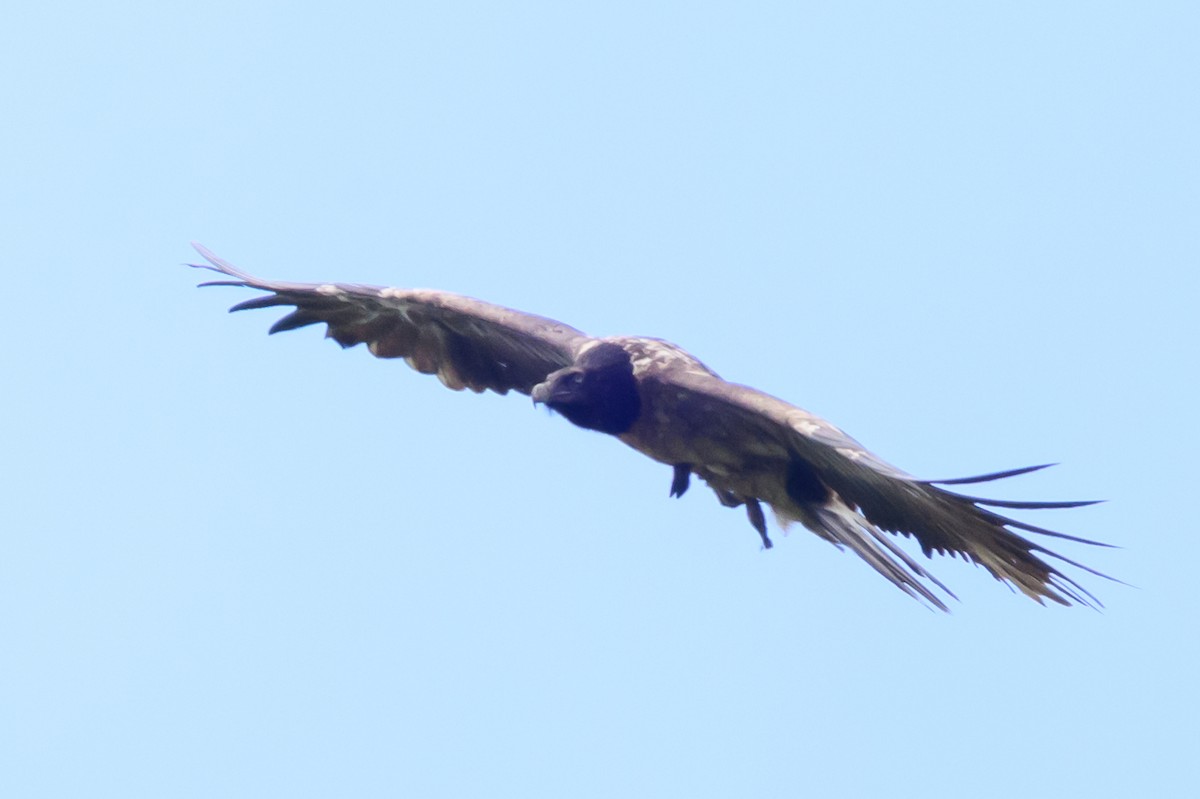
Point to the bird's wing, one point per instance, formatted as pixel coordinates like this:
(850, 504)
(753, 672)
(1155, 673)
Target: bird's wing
(739, 427)
(467, 343)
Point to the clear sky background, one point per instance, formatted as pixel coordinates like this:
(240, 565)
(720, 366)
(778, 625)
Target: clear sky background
(241, 566)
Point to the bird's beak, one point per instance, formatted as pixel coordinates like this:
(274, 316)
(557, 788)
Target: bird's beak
(541, 393)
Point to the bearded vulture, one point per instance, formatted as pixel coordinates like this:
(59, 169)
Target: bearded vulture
(749, 447)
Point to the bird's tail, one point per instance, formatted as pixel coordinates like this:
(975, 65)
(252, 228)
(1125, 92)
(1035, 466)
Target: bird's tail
(845, 527)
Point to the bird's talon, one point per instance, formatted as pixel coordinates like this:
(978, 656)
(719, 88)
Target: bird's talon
(681, 480)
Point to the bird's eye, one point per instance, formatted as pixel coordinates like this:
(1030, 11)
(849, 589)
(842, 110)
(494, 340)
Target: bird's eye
(574, 379)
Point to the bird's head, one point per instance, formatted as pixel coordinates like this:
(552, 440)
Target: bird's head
(597, 392)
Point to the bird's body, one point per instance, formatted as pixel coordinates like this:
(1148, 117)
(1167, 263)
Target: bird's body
(750, 448)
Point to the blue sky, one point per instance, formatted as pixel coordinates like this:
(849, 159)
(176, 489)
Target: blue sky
(236, 565)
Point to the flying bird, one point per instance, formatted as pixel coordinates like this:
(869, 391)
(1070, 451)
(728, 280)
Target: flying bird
(750, 448)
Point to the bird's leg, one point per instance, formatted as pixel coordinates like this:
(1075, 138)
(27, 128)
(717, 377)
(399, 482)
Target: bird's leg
(754, 511)
(681, 480)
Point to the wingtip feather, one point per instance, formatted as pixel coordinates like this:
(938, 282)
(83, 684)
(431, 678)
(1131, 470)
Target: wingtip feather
(987, 478)
(218, 264)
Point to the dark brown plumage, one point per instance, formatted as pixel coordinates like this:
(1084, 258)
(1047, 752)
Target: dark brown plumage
(749, 447)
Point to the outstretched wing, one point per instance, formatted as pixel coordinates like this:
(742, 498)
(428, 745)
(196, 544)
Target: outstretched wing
(759, 447)
(466, 342)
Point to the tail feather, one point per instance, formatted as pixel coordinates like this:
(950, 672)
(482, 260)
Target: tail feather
(845, 527)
